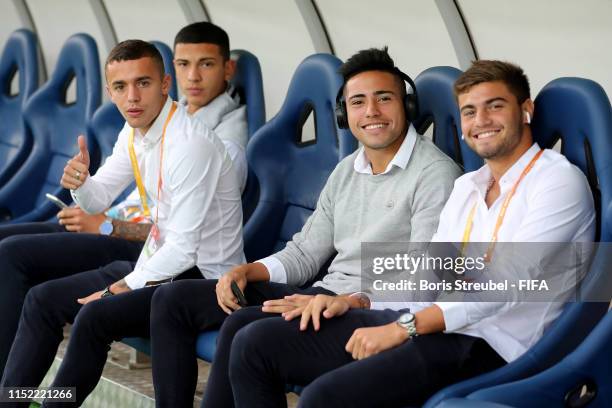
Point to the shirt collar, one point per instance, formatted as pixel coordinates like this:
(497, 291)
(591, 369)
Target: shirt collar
(155, 131)
(482, 176)
(212, 113)
(362, 164)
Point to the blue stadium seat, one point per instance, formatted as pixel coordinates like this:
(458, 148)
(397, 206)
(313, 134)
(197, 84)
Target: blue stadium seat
(247, 80)
(249, 85)
(437, 105)
(588, 367)
(291, 174)
(168, 58)
(19, 58)
(576, 111)
(54, 124)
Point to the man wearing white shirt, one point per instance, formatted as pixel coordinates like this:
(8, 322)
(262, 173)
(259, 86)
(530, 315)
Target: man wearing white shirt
(396, 175)
(33, 253)
(192, 195)
(397, 358)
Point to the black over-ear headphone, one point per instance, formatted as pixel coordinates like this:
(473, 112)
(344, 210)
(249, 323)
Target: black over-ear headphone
(411, 102)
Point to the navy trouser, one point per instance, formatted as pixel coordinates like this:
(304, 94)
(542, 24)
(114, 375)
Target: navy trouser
(27, 260)
(179, 313)
(269, 353)
(47, 309)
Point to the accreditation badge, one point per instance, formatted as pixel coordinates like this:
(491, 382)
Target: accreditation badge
(153, 242)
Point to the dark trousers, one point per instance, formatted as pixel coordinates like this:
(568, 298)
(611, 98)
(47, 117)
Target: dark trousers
(27, 260)
(270, 353)
(50, 305)
(179, 312)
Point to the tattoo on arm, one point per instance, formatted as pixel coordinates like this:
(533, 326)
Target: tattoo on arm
(130, 231)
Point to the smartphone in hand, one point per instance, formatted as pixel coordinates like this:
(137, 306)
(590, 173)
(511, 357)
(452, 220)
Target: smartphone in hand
(56, 201)
(239, 295)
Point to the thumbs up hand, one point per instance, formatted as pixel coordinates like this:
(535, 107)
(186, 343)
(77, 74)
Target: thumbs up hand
(77, 168)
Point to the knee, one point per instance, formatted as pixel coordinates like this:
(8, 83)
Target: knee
(237, 320)
(169, 303)
(39, 298)
(13, 253)
(250, 346)
(322, 392)
(89, 318)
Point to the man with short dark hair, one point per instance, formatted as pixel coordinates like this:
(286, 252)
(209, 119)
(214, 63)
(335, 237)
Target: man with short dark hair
(202, 67)
(189, 191)
(396, 175)
(401, 355)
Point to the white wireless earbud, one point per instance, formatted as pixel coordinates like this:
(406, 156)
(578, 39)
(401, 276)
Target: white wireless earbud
(527, 117)
(462, 136)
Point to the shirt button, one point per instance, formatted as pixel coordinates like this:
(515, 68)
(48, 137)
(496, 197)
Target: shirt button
(390, 204)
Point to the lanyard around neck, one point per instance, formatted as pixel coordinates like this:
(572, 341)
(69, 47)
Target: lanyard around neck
(502, 213)
(136, 170)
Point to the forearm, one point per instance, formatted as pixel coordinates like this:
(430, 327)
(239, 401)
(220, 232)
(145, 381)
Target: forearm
(130, 230)
(429, 320)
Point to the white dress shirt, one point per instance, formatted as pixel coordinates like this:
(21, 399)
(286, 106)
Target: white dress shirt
(553, 203)
(200, 216)
(228, 120)
(363, 166)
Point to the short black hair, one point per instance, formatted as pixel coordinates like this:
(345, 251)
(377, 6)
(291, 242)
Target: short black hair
(204, 32)
(372, 59)
(130, 50)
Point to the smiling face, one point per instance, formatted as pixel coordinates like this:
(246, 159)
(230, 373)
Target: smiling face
(375, 109)
(492, 120)
(138, 90)
(201, 72)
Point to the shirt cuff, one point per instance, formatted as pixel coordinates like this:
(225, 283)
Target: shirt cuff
(455, 315)
(275, 269)
(135, 280)
(389, 305)
(83, 191)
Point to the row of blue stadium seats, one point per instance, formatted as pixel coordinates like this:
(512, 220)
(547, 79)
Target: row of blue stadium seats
(286, 176)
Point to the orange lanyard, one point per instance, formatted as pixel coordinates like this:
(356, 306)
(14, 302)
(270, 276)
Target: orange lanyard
(502, 213)
(136, 170)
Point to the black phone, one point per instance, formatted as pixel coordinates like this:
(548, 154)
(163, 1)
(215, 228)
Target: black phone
(239, 295)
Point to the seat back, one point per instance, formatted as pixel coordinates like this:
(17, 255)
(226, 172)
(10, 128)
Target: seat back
(437, 105)
(577, 112)
(54, 124)
(18, 59)
(249, 84)
(168, 58)
(581, 379)
(290, 174)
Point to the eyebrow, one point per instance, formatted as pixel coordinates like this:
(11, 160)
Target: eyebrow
(381, 92)
(122, 82)
(487, 102)
(199, 60)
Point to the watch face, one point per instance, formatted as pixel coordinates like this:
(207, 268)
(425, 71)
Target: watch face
(406, 318)
(106, 228)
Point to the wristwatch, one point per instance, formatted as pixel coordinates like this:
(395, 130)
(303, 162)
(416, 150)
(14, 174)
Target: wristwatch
(107, 292)
(106, 228)
(407, 322)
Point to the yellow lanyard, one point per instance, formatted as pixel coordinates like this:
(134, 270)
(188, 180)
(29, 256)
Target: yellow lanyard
(136, 170)
(502, 213)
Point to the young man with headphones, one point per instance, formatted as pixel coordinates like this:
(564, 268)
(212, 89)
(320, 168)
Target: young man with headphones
(391, 190)
(401, 353)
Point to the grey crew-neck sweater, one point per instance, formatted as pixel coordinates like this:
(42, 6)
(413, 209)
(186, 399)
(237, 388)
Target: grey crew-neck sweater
(402, 205)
